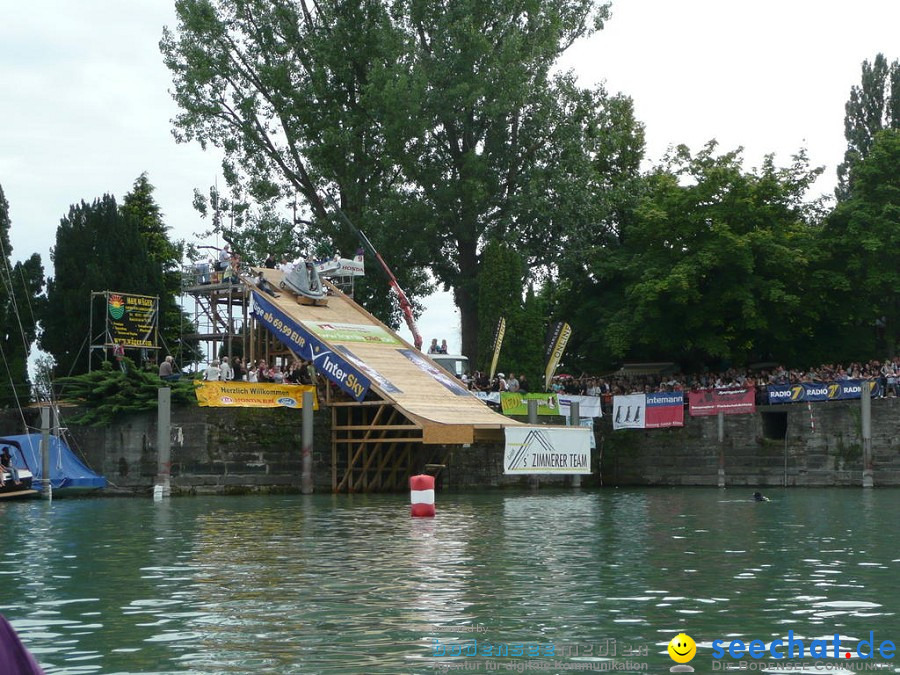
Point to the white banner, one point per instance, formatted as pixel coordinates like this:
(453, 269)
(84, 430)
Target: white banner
(629, 411)
(588, 406)
(543, 450)
(587, 423)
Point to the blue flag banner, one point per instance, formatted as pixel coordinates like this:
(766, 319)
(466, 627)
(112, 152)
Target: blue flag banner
(307, 346)
(812, 391)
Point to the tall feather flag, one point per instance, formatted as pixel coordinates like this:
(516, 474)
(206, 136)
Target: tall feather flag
(557, 338)
(499, 332)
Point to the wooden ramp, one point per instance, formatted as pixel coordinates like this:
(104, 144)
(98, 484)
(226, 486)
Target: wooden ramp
(413, 410)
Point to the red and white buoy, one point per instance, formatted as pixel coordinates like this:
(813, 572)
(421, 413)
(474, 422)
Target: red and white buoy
(421, 489)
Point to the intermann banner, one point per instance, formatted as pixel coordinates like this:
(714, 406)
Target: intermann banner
(815, 391)
(656, 410)
(725, 401)
(132, 319)
(235, 394)
(499, 332)
(557, 338)
(307, 346)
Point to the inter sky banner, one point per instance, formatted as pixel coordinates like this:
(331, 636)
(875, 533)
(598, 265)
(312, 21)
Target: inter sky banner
(814, 391)
(725, 401)
(234, 394)
(306, 345)
(132, 319)
(499, 332)
(557, 338)
(648, 411)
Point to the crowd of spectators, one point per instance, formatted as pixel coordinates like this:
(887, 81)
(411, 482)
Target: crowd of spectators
(887, 373)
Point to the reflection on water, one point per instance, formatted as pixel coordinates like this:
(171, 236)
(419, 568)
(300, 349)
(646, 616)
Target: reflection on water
(331, 584)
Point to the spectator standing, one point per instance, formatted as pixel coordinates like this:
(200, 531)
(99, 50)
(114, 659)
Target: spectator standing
(119, 353)
(512, 384)
(225, 371)
(212, 371)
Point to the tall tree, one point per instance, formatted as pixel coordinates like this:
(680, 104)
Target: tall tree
(98, 248)
(874, 105)
(20, 305)
(439, 125)
(140, 206)
(861, 240)
(710, 268)
(499, 294)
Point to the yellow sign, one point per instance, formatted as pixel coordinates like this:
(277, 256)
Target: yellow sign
(253, 395)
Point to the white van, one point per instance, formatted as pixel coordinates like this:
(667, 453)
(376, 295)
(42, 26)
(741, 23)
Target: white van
(455, 364)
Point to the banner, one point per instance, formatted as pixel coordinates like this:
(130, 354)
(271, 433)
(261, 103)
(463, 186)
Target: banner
(230, 394)
(664, 409)
(499, 332)
(587, 423)
(809, 391)
(588, 406)
(557, 338)
(725, 401)
(628, 411)
(307, 346)
(352, 332)
(132, 319)
(517, 404)
(537, 450)
(451, 383)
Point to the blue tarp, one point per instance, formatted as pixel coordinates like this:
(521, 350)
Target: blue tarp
(67, 472)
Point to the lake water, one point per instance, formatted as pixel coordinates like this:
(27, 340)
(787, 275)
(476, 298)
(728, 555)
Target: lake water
(352, 584)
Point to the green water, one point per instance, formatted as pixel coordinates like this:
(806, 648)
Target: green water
(338, 584)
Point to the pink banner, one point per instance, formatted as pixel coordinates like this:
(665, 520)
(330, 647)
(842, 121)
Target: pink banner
(725, 401)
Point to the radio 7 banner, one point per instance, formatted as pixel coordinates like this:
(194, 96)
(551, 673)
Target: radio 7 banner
(725, 401)
(814, 391)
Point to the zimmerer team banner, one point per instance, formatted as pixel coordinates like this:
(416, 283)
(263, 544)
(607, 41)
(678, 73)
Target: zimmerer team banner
(537, 450)
(649, 411)
(235, 394)
(814, 391)
(306, 345)
(725, 401)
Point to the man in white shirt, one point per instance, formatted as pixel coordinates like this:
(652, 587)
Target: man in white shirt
(225, 371)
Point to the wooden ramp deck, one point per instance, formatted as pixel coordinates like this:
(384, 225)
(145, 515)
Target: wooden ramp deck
(414, 408)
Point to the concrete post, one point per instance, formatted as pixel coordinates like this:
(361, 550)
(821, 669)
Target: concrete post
(533, 481)
(46, 485)
(162, 487)
(865, 400)
(575, 421)
(306, 465)
(721, 426)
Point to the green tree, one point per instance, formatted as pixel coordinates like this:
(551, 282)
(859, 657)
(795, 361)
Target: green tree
(439, 126)
(98, 248)
(499, 294)
(140, 206)
(293, 95)
(874, 105)
(20, 304)
(711, 266)
(860, 242)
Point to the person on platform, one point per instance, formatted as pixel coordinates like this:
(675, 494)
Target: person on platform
(269, 262)
(212, 372)
(6, 465)
(433, 348)
(265, 286)
(444, 349)
(523, 384)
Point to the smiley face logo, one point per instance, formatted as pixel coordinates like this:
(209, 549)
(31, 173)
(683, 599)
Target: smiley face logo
(682, 648)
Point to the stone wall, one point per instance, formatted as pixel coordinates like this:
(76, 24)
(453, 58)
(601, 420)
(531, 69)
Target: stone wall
(247, 450)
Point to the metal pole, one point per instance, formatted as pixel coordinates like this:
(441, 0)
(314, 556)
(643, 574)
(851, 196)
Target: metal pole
(533, 481)
(721, 434)
(46, 485)
(575, 421)
(865, 400)
(306, 467)
(90, 349)
(163, 487)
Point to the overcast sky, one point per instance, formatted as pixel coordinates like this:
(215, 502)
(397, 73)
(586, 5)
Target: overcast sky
(84, 107)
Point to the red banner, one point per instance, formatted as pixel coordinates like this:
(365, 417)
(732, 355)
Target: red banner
(725, 401)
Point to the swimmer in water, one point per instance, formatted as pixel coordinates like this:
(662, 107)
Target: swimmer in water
(757, 497)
